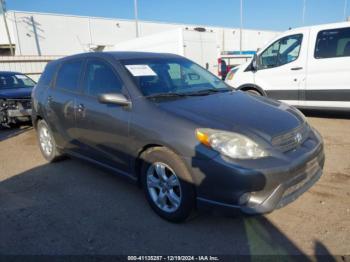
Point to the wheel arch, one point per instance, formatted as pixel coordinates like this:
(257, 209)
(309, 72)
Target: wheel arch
(35, 120)
(137, 163)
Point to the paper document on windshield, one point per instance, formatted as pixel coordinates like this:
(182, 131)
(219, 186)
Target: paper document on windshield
(141, 70)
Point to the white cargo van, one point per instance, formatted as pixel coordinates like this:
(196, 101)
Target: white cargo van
(306, 67)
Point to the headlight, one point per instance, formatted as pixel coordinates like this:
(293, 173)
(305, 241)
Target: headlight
(230, 144)
(3, 103)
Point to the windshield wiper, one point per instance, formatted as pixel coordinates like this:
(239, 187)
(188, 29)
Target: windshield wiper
(184, 94)
(207, 92)
(165, 95)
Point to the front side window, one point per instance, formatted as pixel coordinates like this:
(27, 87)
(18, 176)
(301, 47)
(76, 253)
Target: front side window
(281, 52)
(68, 75)
(101, 79)
(171, 75)
(333, 43)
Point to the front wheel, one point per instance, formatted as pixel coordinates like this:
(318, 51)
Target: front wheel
(253, 92)
(167, 184)
(47, 142)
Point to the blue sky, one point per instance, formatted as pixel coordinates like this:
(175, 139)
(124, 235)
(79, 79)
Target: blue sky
(259, 14)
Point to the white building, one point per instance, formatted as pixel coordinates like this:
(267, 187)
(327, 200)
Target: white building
(59, 35)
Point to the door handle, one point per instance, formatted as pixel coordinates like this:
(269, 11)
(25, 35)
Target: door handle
(81, 108)
(296, 68)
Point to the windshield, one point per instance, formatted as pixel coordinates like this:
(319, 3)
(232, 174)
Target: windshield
(11, 81)
(172, 76)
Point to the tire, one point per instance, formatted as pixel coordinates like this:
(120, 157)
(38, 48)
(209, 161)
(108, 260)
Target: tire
(172, 199)
(14, 125)
(253, 92)
(47, 142)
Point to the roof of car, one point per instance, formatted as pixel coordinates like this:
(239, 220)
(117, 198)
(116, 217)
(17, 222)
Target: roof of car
(140, 55)
(10, 73)
(122, 55)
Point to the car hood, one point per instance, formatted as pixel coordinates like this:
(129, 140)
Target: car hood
(237, 111)
(13, 93)
(245, 65)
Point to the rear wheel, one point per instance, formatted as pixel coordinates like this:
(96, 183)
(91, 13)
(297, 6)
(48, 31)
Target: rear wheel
(166, 183)
(47, 142)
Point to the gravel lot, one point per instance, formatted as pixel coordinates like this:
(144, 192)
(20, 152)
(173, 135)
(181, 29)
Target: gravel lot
(71, 207)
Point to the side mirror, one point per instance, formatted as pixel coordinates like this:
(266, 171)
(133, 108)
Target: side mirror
(117, 99)
(254, 63)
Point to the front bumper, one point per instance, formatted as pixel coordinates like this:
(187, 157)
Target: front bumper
(15, 110)
(269, 183)
(289, 190)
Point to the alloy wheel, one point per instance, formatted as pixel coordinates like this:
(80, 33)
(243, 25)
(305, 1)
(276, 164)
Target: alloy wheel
(164, 187)
(45, 140)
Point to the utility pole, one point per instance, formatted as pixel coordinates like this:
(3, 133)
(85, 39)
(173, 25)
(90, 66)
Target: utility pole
(304, 11)
(136, 18)
(36, 37)
(345, 9)
(3, 10)
(241, 28)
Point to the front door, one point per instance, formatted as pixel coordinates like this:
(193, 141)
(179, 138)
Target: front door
(281, 68)
(103, 128)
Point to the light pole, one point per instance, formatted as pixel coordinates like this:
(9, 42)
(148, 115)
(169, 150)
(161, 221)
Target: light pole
(304, 11)
(345, 9)
(241, 28)
(3, 10)
(136, 18)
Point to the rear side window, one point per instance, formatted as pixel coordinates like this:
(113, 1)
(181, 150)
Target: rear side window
(333, 43)
(100, 78)
(48, 74)
(68, 75)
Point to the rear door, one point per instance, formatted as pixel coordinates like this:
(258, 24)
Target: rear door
(328, 76)
(282, 68)
(61, 101)
(103, 129)
(201, 47)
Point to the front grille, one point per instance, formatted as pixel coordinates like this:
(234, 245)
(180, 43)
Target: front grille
(307, 176)
(310, 169)
(26, 104)
(292, 139)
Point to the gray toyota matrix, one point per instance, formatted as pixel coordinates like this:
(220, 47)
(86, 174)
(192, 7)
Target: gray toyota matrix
(180, 132)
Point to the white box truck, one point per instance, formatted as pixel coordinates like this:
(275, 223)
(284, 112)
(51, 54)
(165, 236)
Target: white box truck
(200, 47)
